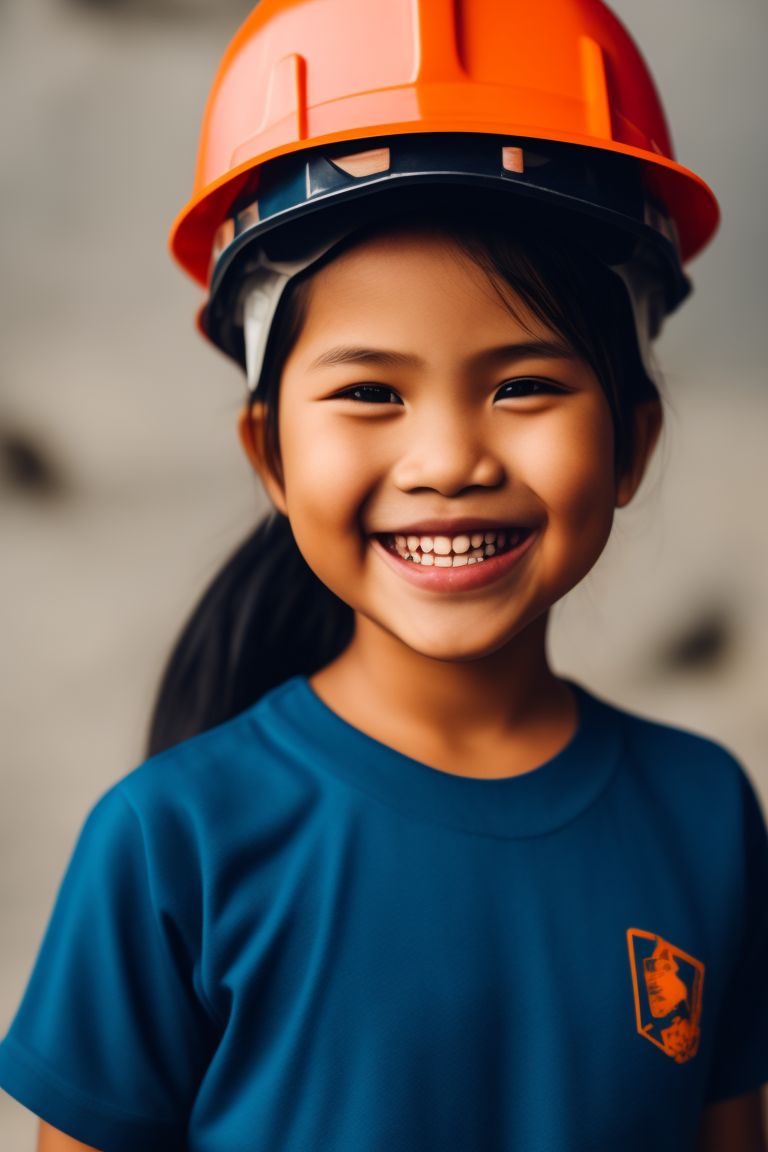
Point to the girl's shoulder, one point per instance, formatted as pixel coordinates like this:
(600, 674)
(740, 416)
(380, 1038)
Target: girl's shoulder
(648, 734)
(208, 778)
(169, 827)
(681, 765)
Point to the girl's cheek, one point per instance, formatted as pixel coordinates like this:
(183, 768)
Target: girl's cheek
(340, 458)
(581, 486)
(569, 465)
(327, 465)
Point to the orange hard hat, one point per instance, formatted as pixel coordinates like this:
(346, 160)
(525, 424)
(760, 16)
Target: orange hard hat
(321, 102)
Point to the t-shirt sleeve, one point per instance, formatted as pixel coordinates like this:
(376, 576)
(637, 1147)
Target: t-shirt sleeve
(741, 1052)
(110, 1041)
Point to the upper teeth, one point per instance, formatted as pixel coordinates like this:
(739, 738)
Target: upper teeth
(445, 545)
(452, 551)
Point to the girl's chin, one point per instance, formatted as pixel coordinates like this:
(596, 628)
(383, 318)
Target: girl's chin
(455, 645)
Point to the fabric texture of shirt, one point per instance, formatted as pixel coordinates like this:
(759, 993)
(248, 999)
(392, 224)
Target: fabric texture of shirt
(285, 935)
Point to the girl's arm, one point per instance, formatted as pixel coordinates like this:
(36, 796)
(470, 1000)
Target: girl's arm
(51, 1140)
(735, 1125)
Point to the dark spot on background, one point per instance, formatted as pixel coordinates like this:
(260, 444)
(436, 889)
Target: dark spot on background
(26, 466)
(705, 641)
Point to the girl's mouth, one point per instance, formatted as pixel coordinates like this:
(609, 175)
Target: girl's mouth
(454, 564)
(453, 552)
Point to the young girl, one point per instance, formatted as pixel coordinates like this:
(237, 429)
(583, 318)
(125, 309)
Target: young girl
(386, 881)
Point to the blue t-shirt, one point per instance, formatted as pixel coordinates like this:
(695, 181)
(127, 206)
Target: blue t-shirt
(283, 935)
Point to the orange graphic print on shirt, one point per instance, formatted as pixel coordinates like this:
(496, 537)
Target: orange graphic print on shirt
(668, 985)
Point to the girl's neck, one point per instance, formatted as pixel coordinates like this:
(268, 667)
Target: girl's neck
(500, 715)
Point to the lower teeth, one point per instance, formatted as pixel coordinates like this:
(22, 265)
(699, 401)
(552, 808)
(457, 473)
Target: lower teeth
(442, 561)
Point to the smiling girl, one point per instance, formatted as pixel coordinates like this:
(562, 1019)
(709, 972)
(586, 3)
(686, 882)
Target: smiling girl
(386, 880)
(448, 470)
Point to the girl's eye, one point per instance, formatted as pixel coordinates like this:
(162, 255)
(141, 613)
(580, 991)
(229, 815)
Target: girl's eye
(528, 386)
(373, 393)
(523, 386)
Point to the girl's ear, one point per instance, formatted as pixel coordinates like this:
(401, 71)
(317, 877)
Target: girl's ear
(646, 426)
(251, 427)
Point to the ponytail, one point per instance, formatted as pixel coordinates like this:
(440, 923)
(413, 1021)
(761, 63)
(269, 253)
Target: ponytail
(264, 618)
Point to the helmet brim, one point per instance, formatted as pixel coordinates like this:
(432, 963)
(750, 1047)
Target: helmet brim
(307, 195)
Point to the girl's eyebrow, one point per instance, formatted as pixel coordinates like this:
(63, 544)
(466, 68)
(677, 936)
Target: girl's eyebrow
(345, 354)
(526, 350)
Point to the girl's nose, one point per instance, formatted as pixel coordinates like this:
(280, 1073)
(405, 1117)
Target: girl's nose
(446, 455)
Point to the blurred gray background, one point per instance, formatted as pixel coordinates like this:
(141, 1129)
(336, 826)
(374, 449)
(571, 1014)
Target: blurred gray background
(122, 484)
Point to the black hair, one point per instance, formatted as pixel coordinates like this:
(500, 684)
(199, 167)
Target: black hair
(266, 616)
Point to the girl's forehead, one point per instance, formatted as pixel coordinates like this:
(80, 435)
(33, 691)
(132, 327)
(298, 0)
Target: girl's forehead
(395, 251)
(415, 277)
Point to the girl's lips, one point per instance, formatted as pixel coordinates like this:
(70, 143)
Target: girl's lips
(460, 579)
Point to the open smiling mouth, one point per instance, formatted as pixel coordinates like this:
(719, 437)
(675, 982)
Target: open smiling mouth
(456, 551)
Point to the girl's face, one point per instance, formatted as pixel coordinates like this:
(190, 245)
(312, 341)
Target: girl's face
(413, 395)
